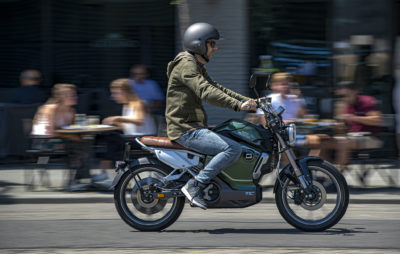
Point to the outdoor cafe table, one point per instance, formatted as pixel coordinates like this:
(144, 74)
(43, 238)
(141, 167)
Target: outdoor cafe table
(87, 130)
(308, 127)
(88, 133)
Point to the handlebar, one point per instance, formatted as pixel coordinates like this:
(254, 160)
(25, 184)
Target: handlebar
(271, 113)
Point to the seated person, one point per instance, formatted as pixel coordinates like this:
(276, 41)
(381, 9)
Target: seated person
(147, 89)
(362, 118)
(57, 112)
(31, 90)
(135, 121)
(294, 109)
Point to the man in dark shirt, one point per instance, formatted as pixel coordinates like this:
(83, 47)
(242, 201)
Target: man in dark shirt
(31, 91)
(147, 89)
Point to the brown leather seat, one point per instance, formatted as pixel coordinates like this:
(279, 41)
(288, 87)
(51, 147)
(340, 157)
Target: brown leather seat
(161, 142)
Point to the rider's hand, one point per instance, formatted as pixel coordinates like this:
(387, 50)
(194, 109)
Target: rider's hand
(249, 105)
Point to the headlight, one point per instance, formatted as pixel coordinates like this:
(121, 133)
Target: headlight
(291, 134)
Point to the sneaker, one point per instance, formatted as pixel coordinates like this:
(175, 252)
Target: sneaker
(100, 177)
(193, 190)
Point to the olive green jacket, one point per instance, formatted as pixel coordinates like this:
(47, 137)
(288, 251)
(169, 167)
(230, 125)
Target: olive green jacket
(189, 85)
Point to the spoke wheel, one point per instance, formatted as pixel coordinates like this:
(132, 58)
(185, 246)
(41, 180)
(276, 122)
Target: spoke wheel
(320, 209)
(136, 204)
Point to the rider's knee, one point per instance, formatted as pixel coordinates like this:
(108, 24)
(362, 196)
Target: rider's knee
(236, 150)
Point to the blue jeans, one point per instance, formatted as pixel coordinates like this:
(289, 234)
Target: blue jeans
(225, 151)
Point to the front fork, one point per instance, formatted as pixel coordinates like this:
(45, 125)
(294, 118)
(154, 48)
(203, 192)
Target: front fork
(292, 160)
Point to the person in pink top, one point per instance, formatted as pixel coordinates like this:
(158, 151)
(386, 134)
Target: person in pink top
(363, 119)
(361, 113)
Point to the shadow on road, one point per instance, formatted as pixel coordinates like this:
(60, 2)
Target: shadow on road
(332, 231)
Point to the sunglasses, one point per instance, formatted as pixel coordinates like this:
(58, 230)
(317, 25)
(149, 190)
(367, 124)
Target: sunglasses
(212, 43)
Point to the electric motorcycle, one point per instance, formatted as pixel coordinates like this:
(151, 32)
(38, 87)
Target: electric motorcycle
(310, 193)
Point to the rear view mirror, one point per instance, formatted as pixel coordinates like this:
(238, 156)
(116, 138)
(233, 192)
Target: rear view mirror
(253, 84)
(253, 81)
(268, 80)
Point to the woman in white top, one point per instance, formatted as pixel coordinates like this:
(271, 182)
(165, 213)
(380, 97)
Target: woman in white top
(58, 112)
(135, 119)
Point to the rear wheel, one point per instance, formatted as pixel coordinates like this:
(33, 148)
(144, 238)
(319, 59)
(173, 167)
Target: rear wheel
(136, 204)
(323, 207)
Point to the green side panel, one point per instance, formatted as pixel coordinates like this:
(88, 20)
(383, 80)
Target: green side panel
(239, 175)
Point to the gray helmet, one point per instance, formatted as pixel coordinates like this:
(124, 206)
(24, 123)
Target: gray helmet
(196, 35)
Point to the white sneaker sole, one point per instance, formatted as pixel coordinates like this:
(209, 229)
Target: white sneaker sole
(186, 193)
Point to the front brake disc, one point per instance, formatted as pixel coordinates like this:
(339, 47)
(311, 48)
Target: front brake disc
(318, 200)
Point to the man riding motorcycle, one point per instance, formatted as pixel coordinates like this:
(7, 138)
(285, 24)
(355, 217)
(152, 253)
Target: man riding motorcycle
(189, 85)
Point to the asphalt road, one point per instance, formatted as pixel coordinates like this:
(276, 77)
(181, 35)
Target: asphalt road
(97, 228)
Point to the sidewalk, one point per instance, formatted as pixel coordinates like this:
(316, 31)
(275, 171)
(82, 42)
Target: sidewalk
(377, 190)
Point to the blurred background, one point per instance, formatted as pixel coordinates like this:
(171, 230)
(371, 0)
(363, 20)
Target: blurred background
(89, 43)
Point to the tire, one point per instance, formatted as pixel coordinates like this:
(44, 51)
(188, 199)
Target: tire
(139, 212)
(296, 213)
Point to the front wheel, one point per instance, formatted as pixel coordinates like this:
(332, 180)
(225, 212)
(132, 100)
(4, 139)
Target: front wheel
(323, 207)
(136, 204)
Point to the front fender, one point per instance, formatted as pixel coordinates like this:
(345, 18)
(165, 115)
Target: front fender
(133, 163)
(287, 171)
